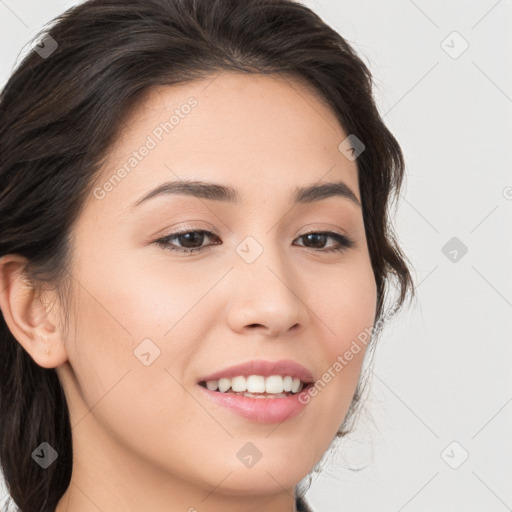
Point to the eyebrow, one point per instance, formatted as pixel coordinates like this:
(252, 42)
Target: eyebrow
(224, 193)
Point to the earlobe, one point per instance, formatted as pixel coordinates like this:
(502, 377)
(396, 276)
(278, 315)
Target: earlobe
(26, 315)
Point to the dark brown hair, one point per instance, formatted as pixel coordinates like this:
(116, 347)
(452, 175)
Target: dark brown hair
(60, 114)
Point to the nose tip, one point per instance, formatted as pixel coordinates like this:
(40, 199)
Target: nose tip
(266, 295)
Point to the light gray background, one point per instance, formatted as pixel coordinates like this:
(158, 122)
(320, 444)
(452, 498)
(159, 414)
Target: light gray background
(442, 369)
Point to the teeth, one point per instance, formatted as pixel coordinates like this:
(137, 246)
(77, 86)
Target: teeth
(295, 385)
(224, 384)
(212, 384)
(274, 384)
(238, 384)
(255, 384)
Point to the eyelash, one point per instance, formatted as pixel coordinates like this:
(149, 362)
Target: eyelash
(344, 242)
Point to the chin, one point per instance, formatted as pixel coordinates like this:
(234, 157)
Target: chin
(262, 478)
(252, 484)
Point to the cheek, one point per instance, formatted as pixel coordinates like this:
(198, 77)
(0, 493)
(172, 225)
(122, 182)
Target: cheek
(132, 323)
(120, 359)
(347, 311)
(345, 301)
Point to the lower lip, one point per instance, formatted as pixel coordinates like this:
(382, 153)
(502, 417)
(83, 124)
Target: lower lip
(260, 410)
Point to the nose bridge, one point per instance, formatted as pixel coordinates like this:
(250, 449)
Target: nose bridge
(266, 291)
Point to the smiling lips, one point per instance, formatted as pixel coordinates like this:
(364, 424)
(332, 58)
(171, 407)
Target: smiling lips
(259, 376)
(278, 382)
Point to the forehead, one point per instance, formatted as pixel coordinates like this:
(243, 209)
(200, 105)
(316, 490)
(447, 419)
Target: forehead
(257, 133)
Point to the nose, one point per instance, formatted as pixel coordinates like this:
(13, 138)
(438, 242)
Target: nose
(267, 297)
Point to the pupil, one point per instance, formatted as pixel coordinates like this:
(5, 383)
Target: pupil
(317, 237)
(196, 234)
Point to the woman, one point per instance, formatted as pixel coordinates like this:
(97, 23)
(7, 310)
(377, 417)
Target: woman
(195, 238)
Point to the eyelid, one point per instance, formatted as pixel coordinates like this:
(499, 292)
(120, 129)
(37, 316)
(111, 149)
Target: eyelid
(184, 228)
(323, 226)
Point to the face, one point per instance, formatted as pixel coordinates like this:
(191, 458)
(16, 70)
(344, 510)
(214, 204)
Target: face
(149, 321)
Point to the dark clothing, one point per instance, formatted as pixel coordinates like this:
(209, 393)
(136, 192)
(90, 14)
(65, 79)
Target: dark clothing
(302, 505)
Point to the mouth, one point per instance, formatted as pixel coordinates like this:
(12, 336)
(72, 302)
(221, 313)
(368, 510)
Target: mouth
(255, 386)
(276, 405)
(261, 391)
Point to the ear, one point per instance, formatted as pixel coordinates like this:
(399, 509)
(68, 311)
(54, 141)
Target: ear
(30, 321)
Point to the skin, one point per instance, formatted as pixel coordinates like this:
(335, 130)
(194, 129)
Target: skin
(145, 437)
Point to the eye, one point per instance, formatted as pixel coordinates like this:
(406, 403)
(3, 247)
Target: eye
(319, 238)
(191, 241)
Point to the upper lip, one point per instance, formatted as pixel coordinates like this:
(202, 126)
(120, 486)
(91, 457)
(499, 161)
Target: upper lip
(282, 367)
